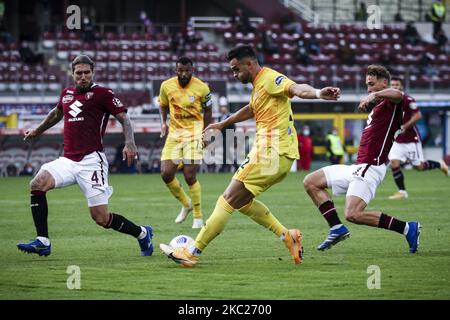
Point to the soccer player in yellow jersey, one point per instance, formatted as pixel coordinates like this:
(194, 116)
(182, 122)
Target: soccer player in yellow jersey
(269, 161)
(186, 97)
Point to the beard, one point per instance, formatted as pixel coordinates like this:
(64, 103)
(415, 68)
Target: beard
(184, 81)
(83, 88)
(246, 80)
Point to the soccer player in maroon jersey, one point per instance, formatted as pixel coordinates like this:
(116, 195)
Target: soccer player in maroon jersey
(85, 109)
(360, 180)
(407, 147)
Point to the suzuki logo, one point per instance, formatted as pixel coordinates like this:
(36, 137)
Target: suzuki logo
(75, 108)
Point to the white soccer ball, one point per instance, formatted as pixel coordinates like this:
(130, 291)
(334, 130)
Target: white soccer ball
(181, 241)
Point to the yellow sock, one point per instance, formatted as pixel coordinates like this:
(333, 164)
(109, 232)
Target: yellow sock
(196, 195)
(215, 224)
(257, 211)
(177, 190)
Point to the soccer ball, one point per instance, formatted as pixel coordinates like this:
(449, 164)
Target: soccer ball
(181, 241)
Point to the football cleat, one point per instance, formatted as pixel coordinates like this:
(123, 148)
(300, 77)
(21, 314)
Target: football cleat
(334, 237)
(179, 255)
(413, 236)
(399, 195)
(292, 240)
(146, 244)
(183, 213)
(35, 246)
(197, 224)
(444, 167)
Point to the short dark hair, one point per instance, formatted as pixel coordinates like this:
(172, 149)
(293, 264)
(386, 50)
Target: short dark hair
(240, 52)
(82, 58)
(184, 61)
(379, 72)
(397, 78)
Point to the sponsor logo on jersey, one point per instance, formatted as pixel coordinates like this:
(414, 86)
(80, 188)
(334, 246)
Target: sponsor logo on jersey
(89, 95)
(75, 108)
(191, 99)
(67, 98)
(69, 91)
(76, 119)
(278, 80)
(117, 102)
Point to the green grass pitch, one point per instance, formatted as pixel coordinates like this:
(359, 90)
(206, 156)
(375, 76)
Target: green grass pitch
(244, 262)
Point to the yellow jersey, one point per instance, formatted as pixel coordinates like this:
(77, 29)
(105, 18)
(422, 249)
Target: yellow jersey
(271, 105)
(185, 107)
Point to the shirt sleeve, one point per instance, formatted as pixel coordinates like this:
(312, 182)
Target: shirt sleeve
(163, 100)
(279, 85)
(59, 105)
(410, 104)
(112, 104)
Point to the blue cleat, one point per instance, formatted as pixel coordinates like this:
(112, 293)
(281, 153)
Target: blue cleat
(146, 243)
(413, 236)
(35, 246)
(334, 237)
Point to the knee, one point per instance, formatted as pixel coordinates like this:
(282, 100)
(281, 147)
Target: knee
(228, 196)
(233, 199)
(36, 185)
(190, 179)
(352, 215)
(308, 183)
(101, 221)
(167, 176)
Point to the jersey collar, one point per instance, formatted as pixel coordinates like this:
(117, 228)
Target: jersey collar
(258, 75)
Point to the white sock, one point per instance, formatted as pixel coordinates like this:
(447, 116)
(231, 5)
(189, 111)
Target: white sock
(143, 233)
(336, 227)
(405, 232)
(44, 240)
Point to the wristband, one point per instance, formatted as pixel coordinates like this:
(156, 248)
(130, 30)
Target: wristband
(318, 93)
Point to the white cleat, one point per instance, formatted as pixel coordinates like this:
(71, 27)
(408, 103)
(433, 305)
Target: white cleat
(399, 195)
(183, 213)
(166, 249)
(197, 224)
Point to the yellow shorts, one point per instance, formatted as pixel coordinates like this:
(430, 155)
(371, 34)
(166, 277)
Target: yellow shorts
(259, 173)
(183, 150)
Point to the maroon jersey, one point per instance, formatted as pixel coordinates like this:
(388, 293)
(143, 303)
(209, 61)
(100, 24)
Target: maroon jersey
(410, 135)
(85, 118)
(377, 138)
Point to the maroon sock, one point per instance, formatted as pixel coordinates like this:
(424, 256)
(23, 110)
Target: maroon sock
(390, 223)
(329, 213)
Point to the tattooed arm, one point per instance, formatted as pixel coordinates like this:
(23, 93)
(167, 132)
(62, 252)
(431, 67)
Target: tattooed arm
(130, 150)
(53, 117)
